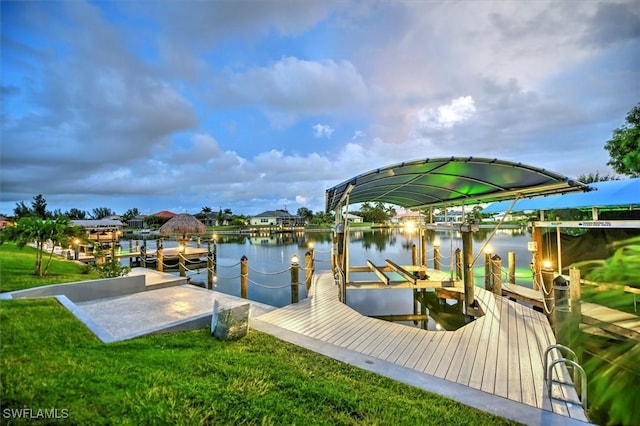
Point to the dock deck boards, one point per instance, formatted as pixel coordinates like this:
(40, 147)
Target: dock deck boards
(499, 353)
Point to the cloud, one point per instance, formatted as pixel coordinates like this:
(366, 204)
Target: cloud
(446, 116)
(322, 130)
(294, 86)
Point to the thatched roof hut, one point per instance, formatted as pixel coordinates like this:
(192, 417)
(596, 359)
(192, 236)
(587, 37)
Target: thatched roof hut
(183, 224)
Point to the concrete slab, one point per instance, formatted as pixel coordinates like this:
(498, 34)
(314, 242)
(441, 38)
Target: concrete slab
(167, 309)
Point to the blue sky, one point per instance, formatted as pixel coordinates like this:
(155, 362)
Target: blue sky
(259, 105)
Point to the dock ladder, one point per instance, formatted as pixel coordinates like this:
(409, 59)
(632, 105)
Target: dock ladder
(549, 369)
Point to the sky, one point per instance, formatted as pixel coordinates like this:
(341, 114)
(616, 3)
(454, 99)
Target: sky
(263, 105)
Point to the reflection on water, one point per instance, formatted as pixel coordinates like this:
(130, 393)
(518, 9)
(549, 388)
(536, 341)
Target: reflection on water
(270, 258)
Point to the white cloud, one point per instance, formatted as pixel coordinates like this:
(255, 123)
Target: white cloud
(445, 116)
(322, 130)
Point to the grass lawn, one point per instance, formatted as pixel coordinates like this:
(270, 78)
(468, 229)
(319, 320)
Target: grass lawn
(17, 267)
(50, 360)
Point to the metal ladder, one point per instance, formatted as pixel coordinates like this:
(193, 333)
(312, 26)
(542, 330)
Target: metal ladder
(549, 368)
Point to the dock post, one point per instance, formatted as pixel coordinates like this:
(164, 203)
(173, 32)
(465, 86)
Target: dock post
(210, 269)
(547, 288)
(295, 275)
(215, 256)
(423, 309)
(308, 270)
(415, 305)
(160, 258)
(511, 258)
(496, 275)
(423, 248)
(467, 259)
(181, 259)
(536, 235)
(130, 258)
(414, 255)
(561, 312)
(458, 264)
(436, 257)
(244, 276)
(487, 271)
(143, 256)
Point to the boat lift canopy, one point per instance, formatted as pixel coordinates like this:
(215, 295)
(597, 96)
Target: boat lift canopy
(450, 181)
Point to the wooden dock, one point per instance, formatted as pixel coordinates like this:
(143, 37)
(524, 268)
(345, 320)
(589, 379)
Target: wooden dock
(500, 353)
(612, 321)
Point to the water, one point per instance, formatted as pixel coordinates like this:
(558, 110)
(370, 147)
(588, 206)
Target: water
(269, 259)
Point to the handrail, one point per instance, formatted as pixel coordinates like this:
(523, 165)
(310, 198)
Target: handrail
(548, 370)
(583, 375)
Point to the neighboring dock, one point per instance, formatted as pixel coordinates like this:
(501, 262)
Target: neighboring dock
(500, 353)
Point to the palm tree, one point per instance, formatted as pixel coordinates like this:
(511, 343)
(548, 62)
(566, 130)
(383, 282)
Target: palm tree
(33, 230)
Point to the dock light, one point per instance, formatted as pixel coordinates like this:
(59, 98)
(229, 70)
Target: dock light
(436, 242)
(488, 249)
(546, 264)
(294, 259)
(310, 245)
(181, 247)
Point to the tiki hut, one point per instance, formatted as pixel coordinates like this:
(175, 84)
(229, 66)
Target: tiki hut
(183, 224)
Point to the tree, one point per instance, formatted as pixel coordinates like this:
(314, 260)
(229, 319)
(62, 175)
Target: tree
(596, 177)
(206, 210)
(305, 213)
(39, 206)
(624, 146)
(76, 214)
(130, 214)
(102, 212)
(21, 210)
(42, 232)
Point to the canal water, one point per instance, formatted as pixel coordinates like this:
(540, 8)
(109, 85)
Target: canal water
(269, 260)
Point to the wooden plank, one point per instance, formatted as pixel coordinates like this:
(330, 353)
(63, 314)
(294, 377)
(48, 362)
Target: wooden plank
(444, 357)
(611, 320)
(473, 353)
(527, 386)
(364, 339)
(400, 270)
(502, 365)
(369, 339)
(514, 380)
(410, 352)
(394, 336)
(524, 294)
(493, 346)
(392, 352)
(379, 272)
(458, 356)
(424, 352)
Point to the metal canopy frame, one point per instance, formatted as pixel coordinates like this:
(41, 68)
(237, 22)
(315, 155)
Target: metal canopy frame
(451, 181)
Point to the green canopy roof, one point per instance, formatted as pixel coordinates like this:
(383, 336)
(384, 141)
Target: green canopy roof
(450, 181)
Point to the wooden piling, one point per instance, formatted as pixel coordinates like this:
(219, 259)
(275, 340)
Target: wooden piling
(458, 264)
(143, 256)
(423, 309)
(536, 235)
(496, 275)
(244, 276)
(414, 255)
(547, 287)
(436, 258)
(295, 274)
(467, 265)
(181, 261)
(511, 258)
(159, 259)
(487, 271)
(423, 248)
(308, 270)
(210, 270)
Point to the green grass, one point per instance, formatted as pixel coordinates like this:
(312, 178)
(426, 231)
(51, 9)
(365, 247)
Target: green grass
(50, 360)
(17, 269)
